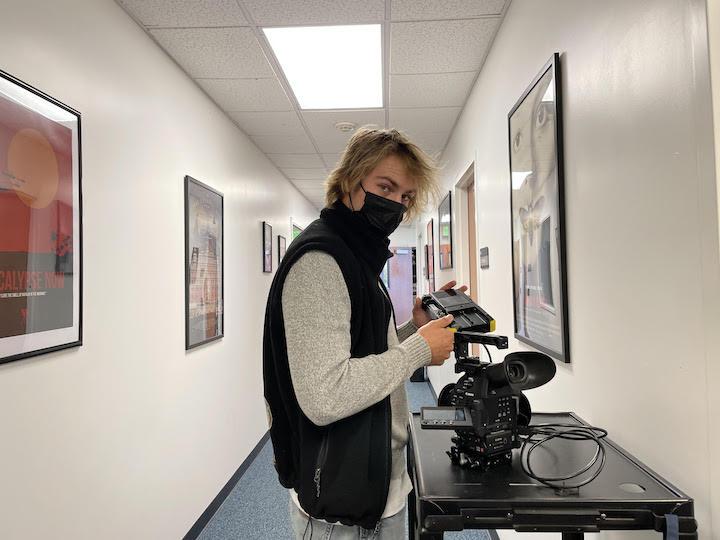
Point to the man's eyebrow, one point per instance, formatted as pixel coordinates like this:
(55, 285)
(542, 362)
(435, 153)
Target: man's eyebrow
(394, 183)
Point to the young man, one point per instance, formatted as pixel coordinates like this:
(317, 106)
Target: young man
(334, 362)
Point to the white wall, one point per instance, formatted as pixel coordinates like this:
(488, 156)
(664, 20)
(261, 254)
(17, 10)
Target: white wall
(714, 367)
(404, 236)
(129, 436)
(641, 222)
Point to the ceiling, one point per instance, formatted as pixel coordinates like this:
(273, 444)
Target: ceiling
(433, 51)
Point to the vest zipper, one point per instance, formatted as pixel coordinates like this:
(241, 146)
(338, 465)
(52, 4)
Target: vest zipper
(322, 456)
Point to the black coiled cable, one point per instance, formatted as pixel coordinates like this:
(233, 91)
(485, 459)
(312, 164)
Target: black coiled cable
(539, 434)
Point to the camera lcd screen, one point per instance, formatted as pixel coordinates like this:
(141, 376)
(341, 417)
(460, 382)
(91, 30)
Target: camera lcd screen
(443, 414)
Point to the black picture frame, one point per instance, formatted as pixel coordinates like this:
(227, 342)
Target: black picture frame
(282, 247)
(430, 257)
(41, 293)
(267, 247)
(535, 144)
(204, 257)
(445, 238)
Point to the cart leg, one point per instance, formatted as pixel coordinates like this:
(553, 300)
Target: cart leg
(572, 536)
(411, 516)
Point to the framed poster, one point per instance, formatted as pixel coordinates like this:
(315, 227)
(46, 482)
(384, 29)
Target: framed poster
(426, 270)
(40, 223)
(296, 230)
(430, 256)
(281, 247)
(267, 247)
(445, 233)
(538, 224)
(204, 264)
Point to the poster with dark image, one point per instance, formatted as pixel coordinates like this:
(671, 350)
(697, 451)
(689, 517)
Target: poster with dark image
(40, 223)
(431, 257)
(204, 276)
(281, 247)
(267, 247)
(537, 221)
(445, 233)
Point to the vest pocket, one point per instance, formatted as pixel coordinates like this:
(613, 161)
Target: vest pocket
(320, 463)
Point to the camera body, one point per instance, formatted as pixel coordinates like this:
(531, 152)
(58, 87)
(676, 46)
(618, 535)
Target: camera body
(486, 406)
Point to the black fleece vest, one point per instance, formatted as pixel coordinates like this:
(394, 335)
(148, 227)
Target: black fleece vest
(341, 472)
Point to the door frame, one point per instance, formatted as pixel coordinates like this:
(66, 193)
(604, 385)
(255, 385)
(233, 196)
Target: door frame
(461, 219)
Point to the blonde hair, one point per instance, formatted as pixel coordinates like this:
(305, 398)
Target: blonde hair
(366, 149)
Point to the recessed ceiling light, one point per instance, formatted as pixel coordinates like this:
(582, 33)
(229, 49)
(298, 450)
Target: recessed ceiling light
(331, 67)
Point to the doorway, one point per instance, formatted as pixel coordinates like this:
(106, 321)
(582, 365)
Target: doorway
(468, 260)
(399, 278)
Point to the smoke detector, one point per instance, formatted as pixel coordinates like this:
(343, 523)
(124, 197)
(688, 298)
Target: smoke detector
(346, 127)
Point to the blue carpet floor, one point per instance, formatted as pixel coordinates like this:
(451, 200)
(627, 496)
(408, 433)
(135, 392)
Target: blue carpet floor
(256, 509)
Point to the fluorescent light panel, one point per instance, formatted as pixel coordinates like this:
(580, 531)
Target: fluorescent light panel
(331, 67)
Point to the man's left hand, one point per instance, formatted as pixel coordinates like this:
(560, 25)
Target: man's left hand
(420, 316)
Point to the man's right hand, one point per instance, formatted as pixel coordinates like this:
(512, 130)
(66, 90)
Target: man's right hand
(439, 338)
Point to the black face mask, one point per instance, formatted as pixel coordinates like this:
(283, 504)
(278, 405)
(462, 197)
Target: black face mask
(381, 213)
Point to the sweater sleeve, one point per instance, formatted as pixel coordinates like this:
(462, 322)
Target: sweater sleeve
(328, 383)
(406, 330)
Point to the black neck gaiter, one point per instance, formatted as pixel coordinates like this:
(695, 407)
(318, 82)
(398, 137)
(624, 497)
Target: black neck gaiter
(366, 242)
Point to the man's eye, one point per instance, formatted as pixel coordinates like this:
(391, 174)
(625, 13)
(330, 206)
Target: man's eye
(385, 189)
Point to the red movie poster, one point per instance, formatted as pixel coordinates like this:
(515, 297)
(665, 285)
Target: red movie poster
(36, 222)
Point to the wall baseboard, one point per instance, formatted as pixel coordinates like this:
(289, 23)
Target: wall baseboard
(209, 512)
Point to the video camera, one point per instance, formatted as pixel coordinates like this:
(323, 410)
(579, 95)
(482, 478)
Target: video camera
(486, 407)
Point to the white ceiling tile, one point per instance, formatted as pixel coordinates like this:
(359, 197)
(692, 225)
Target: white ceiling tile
(329, 139)
(247, 95)
(413, 121)
(297, 161)
(431, 90)
(276, 144)
(331, 160)
(187, 13)
(316, 184)
(317, 192)
(440, 47)
(413, 10)
(305, 174)
(292, 12)
(265, 123)
(431, 142)
(215, 52)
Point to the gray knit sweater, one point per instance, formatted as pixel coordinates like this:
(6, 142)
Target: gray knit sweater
(328, 383)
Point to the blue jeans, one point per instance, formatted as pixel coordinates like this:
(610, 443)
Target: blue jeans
(304, 527)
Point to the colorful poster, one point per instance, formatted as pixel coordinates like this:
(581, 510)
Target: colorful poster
(203, 263)
(39, 223)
